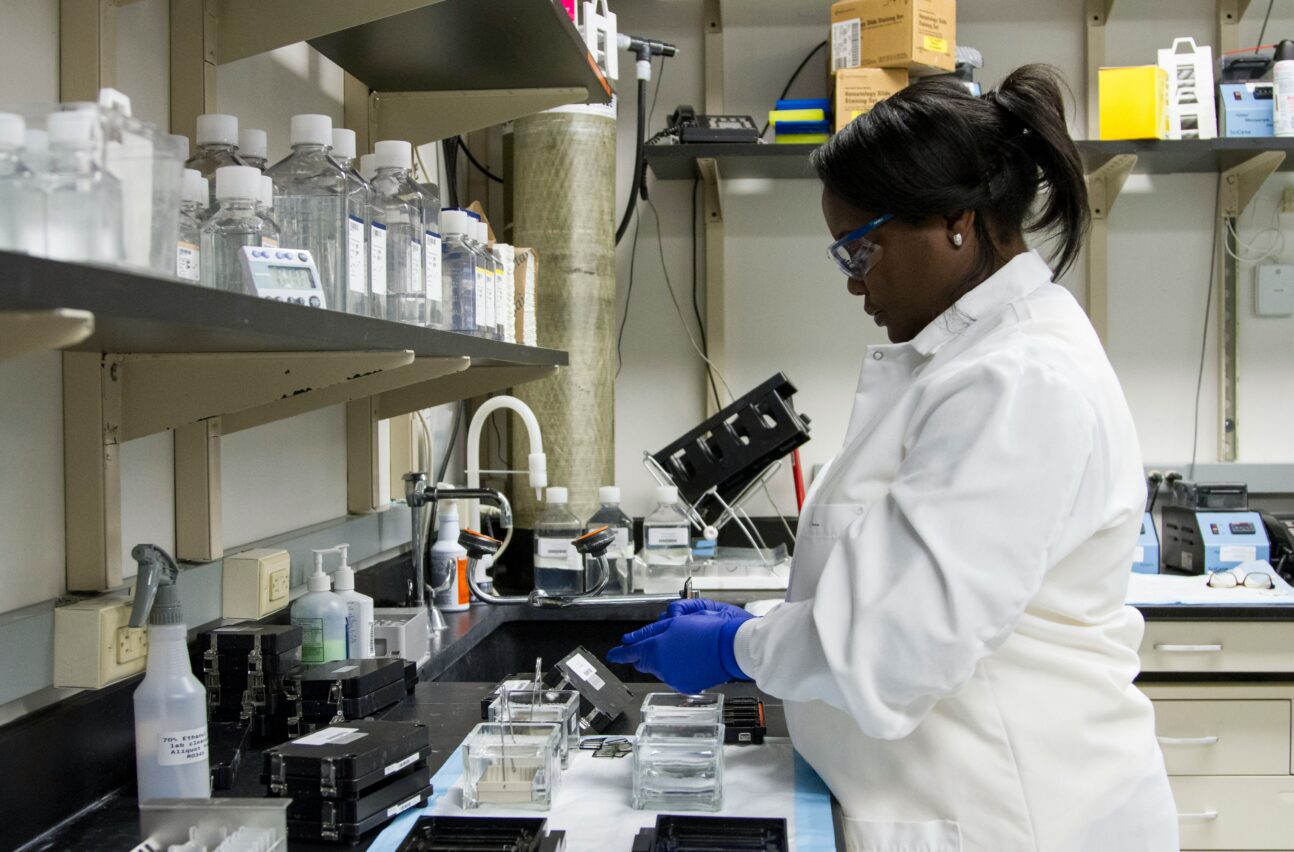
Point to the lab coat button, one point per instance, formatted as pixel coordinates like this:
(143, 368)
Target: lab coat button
(876, 356)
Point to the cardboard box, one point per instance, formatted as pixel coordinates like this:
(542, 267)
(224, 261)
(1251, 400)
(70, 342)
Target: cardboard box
(857, 90)
(1246, 108)
(1133, 102)
(919, 36)
(527, 296)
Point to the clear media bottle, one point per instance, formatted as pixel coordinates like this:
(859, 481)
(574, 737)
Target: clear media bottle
(484, 278)
(217, 139)
(310, 199)
(377, 288)
(400, 209)
(272, 235)
(508, 257)
(321, 615)
(621, 554)
(439, 311)
(558, 566)
(82, 201)
(458, 272)
(188, 244)
(236, 223)
(253, 145)
(667, 535)
(359, 215)
(496, 280)
(22, 206)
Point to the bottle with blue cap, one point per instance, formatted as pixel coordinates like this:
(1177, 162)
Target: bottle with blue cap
(236, 223)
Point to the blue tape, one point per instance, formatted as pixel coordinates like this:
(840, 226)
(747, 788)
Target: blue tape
(814, 827)
(445, 778)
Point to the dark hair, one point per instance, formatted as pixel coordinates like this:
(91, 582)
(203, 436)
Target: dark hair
(935, 149)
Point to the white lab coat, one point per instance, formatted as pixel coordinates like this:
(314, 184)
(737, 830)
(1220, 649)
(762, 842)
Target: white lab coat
(954, 651)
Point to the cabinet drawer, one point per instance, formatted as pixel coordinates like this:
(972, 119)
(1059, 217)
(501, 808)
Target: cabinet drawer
(1218, 646)
(1234, 812)
(1224, 737)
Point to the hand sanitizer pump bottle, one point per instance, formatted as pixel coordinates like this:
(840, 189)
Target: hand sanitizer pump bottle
(359, 609)
(171, 704)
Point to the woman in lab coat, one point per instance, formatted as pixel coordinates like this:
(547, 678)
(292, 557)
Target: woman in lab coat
(954, 652)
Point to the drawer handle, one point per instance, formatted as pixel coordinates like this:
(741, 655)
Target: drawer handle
(1202, 816)
(1188, 741)
(1190, 649)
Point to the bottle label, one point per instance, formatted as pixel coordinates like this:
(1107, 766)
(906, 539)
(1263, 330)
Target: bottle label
(431, 257)
(490, 319)
(667, 536)
(622, 543)
(355, 254)
(482, 292)
(312, 639)
(377, 255)
(415, 267)
(501, 300)
(269, 242)
(175, 748)
(186, 261)
(557, 548)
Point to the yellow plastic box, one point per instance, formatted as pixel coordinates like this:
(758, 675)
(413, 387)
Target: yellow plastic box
(1133, 102)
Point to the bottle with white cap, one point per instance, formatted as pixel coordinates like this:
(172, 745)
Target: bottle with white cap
(507, 256)
(35, 149)
(439, 311)
(399, 208)
(609, 514)
(558, 566)
(217, 140)
(82, 200)
(484, 278)
(235, 224)
(359, 609)
(272, 233)
(22, 206)
(667, 536)
(359, 217)
(188, 245)
(321, 615)
(310, 202)
(458, 271)
(253, 147)
(495, 269)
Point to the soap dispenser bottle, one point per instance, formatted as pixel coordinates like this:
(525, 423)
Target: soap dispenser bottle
(359, 609)
(170, 704)
(321, 615)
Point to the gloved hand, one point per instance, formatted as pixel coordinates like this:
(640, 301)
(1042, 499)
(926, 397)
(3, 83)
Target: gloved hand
(690, 652)
(683, 606)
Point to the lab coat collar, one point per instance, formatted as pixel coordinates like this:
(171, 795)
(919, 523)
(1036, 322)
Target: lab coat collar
(1019, 277)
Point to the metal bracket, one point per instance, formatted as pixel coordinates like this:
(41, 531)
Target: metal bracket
(1103, 187)
(1241, 182)
(22, 332)
(87, 56)
(426, 116)
(251, 27)
(1106, 182)
(1229, 14)
(1096, 14)
(713, 14)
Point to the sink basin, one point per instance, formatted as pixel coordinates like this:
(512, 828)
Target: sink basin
(513, 645)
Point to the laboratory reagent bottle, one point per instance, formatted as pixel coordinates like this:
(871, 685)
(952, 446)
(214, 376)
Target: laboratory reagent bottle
(217, 138)
(667, 536)
(235, 224)
(438, 299)
(559, 569)
(188, 244)
(273, 232)
(484, 279)
(253, 145)
(400, 210)
(82, 200)
(621, 554)
(449, 563)
(310, 199)
(508, 257)
(359, 608)
(359, 216)
(496, 280)
(458, 271)
(22, 205)
(171, 758)
(377, 288)
(321, 615)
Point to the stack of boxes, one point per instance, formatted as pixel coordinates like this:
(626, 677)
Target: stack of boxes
(243, 667)
(801, 122)
(1172, 99)
(320, 694)
(877, 45)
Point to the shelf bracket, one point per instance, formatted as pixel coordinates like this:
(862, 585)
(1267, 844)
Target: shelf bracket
(475, 381)
(1103, 187)
(1241, 182)
(428, 116)
(713, 13)
(1097, 13)
(199, 523)
(716, 339)
(194, 24)
(250, 27)
(87, 41)
(91, 473)
(22, 332)
(1229, 14)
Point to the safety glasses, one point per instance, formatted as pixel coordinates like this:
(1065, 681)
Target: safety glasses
(1232, 579)
(855, 255)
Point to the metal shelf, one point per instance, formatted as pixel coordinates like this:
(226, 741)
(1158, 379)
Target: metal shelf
(734, 160)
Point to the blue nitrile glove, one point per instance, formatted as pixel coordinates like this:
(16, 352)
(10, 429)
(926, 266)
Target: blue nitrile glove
(684, 606)
(690, 652)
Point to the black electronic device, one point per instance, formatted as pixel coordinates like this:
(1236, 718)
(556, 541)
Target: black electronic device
(345, 678)
(343, 708)
(706, 834)
(743, 721)
(603, 696)
(358, 807)
(350, 832)
(483, 834)
(692, 128)
(1280, 531)
(350, 751)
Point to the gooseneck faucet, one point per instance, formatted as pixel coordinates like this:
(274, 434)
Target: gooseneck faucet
(423, 497)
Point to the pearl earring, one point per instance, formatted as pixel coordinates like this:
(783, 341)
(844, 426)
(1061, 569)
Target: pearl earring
(957, 240)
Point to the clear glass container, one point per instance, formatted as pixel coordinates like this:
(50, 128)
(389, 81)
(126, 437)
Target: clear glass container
(513, 764)
(22, 205)
(237, 223)
(83, 201)
(439, 309)
(217, 138)
(666, 551)
(188, 244)
(559, 569)
(359, 219)
(400, 209)
(559, 706)
(679, 708)
(678, 767)
(619, 556)
(485, 323)
(458, 273)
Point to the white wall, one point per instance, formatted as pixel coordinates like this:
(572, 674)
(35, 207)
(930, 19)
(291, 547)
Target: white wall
(787, 308)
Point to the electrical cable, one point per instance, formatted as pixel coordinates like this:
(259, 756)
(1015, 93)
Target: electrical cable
(1204, 339)
(467, 152)
(449, 444)
(696, 310)
(629, 294)
(449, 151)
(787, 88)
(640, 149)
(1262, 32)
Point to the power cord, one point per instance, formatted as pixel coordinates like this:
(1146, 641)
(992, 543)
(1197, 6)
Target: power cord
(1262, 32)
(1204, 338)
(796, 73)
(629, 294)
(696, 309)
(467, 152)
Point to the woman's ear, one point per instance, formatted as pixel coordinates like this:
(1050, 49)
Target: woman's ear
(960, 227)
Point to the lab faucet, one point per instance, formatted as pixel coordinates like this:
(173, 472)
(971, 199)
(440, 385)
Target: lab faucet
(537, 462)
(422, 497)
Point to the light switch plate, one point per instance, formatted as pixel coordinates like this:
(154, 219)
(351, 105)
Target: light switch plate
(256, 583)
(1274, 290)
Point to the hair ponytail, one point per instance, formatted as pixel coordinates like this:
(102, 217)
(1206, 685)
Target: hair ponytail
(934, 149)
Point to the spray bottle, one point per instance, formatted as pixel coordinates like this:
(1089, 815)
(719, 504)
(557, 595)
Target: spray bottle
(359, 609)
(321, 614)
(171, 704)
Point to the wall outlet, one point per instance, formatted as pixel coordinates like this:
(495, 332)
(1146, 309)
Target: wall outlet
(256, 583)
(94, 644)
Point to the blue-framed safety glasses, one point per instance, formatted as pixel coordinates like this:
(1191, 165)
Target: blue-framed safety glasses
(854, 254)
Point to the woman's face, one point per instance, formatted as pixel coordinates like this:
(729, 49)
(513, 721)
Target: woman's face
(917, 276)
